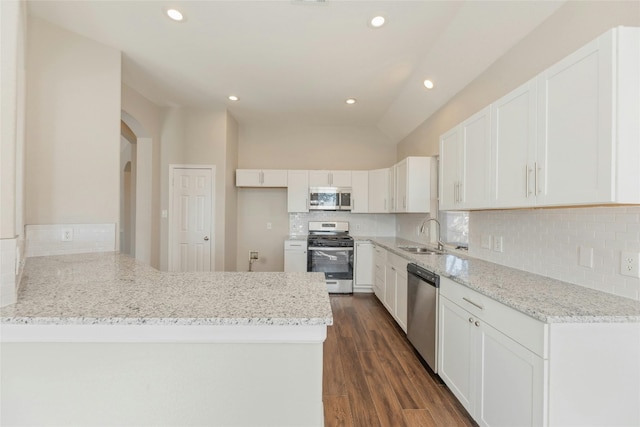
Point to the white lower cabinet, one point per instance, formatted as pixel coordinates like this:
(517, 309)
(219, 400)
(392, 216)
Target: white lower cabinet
(363, 274)
(295, 255)
(497, 379)
(379, 261)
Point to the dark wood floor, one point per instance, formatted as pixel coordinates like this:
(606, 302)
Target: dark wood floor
(372, 377)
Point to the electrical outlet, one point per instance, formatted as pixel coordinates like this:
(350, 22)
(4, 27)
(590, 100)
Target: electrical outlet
(67, 234)
(486, 241)
(585, 256)
(629, 264)
(497, 243)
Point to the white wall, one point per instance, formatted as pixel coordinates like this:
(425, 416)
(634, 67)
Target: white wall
(73, 128)
(231, 195)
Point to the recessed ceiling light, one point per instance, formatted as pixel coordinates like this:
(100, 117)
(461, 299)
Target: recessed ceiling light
(233, 98)
(351, 101)
(377, 21)
(428, 84)
(175, 14)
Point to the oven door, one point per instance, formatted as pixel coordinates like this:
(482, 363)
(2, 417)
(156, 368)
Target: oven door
(336, 263)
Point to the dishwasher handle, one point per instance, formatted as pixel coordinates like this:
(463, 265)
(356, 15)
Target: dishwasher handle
(424, 274)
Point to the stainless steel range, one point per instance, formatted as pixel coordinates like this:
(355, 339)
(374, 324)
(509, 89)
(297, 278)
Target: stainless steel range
(330, 251)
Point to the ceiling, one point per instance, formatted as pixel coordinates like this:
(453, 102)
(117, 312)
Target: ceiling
(298, 61)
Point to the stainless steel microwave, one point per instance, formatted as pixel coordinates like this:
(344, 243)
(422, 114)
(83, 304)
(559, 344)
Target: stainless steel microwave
(329, 199)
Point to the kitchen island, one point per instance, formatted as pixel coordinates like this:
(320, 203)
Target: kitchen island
(100, 339)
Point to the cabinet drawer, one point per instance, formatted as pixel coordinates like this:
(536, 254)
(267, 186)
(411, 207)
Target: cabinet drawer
(526, 331)
(292, 245)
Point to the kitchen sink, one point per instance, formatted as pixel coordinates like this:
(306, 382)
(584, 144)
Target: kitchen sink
(419, 250)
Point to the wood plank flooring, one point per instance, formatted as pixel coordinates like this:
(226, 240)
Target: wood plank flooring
(372, 376)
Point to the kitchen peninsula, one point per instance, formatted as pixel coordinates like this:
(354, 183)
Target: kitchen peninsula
(104, 339)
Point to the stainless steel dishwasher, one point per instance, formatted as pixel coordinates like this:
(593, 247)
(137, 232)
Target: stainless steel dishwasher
(422, 314)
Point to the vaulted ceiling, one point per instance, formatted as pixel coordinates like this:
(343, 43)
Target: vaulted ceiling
(298, 61)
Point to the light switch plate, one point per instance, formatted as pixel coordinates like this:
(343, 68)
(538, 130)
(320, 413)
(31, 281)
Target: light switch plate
(497, 243)
(486, 241)
(585, 256)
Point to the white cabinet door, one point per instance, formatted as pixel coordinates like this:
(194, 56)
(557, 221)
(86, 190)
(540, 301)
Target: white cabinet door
(360, 192)
(295, 256)
(513, 133)
(364, 267)
(392, 189)
(297, 191)
(324, 178)
(261, 178)
(379, 191)
(248, 177)
(450, 168)
(456, 345)
(401, 296)
(402, 169)
(380, 260)
(510, 381)
(390, 288)
(474, 190)
(576, 128)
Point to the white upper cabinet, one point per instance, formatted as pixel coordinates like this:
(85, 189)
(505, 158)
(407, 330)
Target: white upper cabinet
(298, 191)
(261, 178)
(588, 109)
(465, 159)
(513, 130)
(450, 168)
(359, 192)
(413, 185)
(379, 191)
(323, 178)
(567, 137)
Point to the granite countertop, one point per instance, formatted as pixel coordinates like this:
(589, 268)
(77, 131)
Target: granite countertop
(548, 300)
(111, 288)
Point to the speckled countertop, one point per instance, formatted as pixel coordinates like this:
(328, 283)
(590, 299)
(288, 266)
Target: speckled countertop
(542, 298)
(110, 288)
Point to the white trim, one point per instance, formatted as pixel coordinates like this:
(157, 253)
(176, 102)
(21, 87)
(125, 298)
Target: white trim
(164, 333)
(170, 234)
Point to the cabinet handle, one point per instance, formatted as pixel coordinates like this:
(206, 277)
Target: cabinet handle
(477, 323)
(460, 199)
(455, 192)
(261, 177)
(537, 169)
(470, 319)
(473, 303)
(526, 181)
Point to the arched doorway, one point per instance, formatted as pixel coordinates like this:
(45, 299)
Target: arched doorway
(135, 187)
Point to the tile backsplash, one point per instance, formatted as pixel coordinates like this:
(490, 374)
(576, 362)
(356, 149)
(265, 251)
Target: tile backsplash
(44, 240)
(549, 242)
(380, 225)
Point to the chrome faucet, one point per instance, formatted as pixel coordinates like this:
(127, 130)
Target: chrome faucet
(422, 228)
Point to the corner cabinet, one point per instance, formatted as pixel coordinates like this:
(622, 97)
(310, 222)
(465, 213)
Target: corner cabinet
(491, 358)
(297, 191)
(412, 185)
(261, 178)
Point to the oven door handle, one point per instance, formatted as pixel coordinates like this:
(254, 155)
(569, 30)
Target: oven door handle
(329, 249)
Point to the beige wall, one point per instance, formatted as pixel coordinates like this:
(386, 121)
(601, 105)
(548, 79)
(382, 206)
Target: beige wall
(314, 147)
(573, 25)
(73, 128)
(149, 117)
(231, 196)
(197, 137)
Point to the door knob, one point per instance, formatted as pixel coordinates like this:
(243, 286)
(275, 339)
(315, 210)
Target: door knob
(206, 238)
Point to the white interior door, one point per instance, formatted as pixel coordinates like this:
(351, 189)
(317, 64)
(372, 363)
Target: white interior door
(191, 219)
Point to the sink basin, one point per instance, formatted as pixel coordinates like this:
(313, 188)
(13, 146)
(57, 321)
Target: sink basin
(419, 250)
